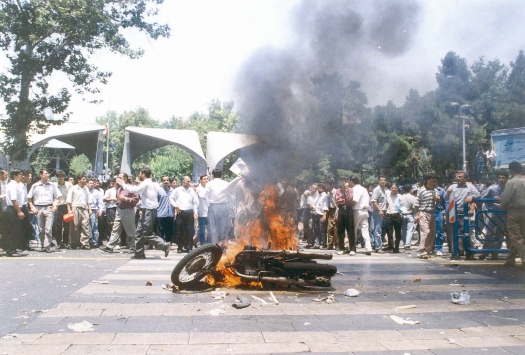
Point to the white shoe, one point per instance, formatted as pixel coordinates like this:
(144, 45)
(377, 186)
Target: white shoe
(352, 253)
(340, 252)
(117, 247)
(439, 253)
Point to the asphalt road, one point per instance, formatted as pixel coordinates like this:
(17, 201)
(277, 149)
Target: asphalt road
(37, 281)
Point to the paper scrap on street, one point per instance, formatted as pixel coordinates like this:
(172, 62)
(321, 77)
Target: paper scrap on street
(83, 326)
(351, 292)
(400, 320)
(103, 282)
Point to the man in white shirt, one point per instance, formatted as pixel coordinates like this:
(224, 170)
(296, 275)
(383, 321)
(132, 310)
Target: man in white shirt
(13, 215)
(186, 202)
(203, 208)
(3, 184)
(309, 197)
(78, 203)
(148, 192)
(43, 199)
(97, 207)
(360, 203)
(219, 223)
(319, 217)
(61, 229)
(29, 225)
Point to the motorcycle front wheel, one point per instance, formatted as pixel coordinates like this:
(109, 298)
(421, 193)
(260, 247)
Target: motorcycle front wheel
(193, 267)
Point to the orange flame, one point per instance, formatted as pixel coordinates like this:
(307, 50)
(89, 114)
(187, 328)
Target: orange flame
(274, 229)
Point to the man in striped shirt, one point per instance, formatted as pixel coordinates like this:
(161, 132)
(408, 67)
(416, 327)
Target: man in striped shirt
(424, 210)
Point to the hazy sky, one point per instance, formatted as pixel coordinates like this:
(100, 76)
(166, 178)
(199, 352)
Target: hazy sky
(211, 39)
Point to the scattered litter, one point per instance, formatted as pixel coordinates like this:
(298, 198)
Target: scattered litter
(340, 273)
(358, 278)
(87, 265)
(83, 326)
(403, 292)
(243, 302)
(495, 311)
(10, 336)
(274, 298)
(410, 306)
(452, 341)
(102, 282)
(351, 292)
(328, 299)
(400, 320)
(494, 272)
(15, 299)
(306, 323)
(30, 264)
(460, 297)
(149, 283)
(219, 295)
(25, 294)
(417, 279)
(259, 299)
(21, 317)
(217, 311)
(171, 287)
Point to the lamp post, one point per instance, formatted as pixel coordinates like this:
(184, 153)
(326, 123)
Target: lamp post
(463, 112)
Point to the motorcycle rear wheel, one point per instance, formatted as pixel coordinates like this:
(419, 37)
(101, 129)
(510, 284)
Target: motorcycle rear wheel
(309, 270)
(191, 269)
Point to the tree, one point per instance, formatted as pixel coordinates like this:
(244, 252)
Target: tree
(41, 160)
(79, 165)
(44, 37)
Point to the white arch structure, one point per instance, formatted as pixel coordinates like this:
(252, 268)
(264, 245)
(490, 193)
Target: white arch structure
(220, 144)
(86, 138)
(139, 140)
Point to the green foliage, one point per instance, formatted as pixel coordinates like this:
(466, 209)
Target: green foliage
(41, 160)
(79, 164)
(43, 37)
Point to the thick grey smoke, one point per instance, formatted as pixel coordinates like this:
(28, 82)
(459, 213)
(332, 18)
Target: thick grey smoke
(274, 86)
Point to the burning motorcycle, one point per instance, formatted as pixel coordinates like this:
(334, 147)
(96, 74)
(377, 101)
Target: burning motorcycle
(252, 265)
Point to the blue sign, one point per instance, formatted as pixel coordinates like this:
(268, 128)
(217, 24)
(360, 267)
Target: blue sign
(509, 145)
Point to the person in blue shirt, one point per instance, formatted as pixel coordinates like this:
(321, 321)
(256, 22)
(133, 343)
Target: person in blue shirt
(440, 212)
(165, 213)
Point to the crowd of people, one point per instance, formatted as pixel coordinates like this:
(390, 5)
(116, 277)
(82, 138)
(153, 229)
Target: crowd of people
(134, 215)
(122, 213)
(385, 216)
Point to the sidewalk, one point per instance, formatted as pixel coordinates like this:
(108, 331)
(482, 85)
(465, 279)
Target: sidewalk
(129, 317)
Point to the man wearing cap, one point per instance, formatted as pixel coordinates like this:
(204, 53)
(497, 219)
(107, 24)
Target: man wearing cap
(44, 198)
(61, 229)
(343, 198)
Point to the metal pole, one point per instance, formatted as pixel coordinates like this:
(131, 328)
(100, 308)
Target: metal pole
(464, 149)
(107, 155)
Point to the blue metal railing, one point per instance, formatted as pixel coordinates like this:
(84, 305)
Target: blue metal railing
(483, 222)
